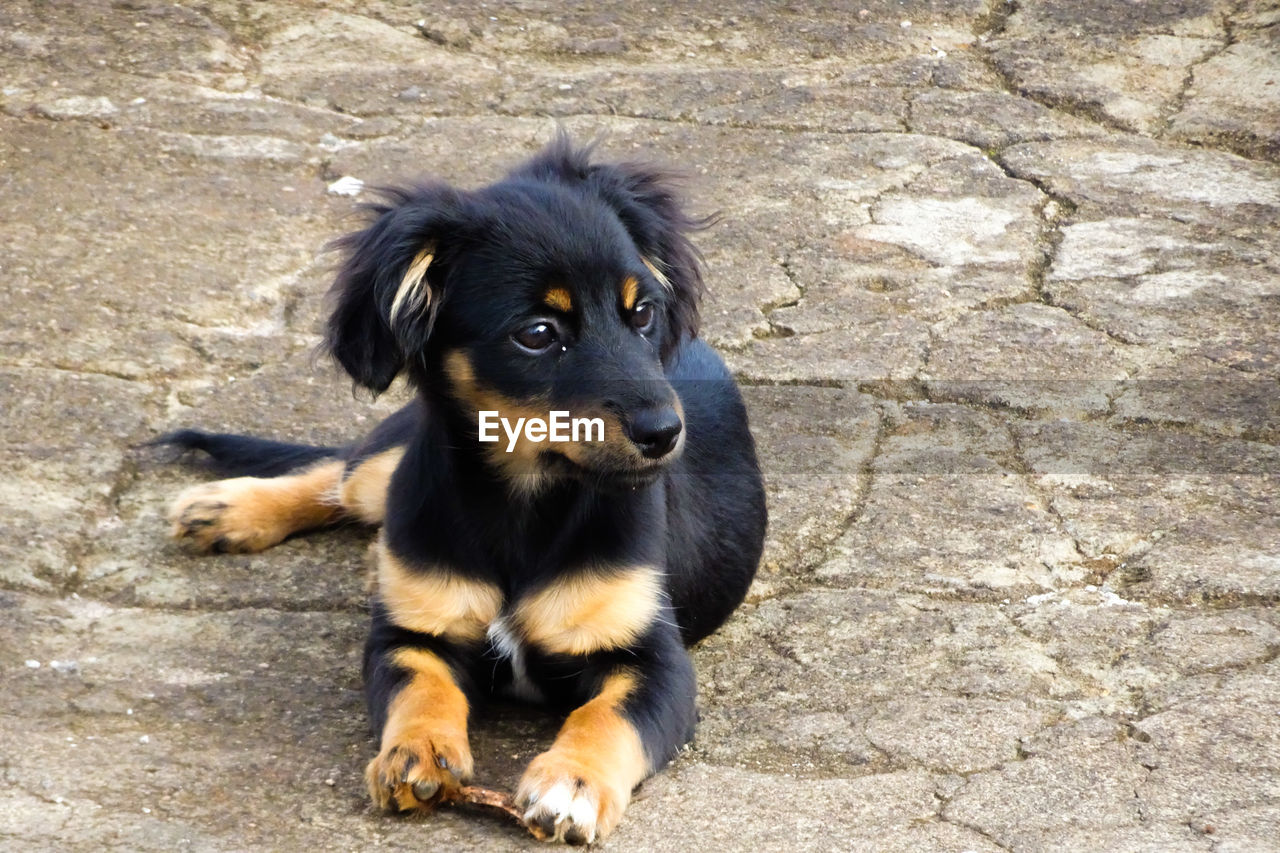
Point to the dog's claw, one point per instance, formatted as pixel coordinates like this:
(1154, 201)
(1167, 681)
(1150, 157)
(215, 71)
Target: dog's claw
(412, 776)
(226, 516)
(560, 803)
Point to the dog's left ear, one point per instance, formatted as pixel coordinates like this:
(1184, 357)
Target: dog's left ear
(648, 203)
(389, 288)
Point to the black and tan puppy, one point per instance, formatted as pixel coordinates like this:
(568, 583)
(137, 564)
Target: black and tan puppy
(572, 572)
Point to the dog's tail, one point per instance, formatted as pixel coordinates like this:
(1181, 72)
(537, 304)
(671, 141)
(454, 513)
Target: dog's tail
(246, 455)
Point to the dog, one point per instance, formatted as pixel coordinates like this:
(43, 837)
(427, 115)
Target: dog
(573, 573)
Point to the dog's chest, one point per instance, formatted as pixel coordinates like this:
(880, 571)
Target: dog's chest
(576, 615)
(507, 646)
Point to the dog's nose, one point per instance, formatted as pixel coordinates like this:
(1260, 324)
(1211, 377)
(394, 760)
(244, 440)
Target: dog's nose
(655, 431)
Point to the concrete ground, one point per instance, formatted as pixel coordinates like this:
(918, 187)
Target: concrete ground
(1002, 281)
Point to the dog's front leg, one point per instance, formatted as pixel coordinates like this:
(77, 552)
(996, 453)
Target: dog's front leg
(424, 753)
(641, 712)
(428, 630)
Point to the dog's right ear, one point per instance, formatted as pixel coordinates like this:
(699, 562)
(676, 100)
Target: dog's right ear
(389, 287)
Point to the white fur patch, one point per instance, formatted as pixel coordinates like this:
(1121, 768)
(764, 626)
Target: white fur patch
(658, 274)
(413, 294)
(507, 645)
(570, 805)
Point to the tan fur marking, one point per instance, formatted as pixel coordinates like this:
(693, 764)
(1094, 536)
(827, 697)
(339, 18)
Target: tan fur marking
(615, 451)
(630, 292)
(524, 467)
(658, 274)
(363, 492)
(521, 466)
(446, 706)
(598, 752)
(457, 364)
(426, 728)
(590, 612)
(247, 514)
(559, 299)
(413, 292)
(434, 601)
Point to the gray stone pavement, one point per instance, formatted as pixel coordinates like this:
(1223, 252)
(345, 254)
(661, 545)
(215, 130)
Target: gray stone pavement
(1002, 281)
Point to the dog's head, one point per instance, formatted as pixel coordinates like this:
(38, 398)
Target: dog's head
(565, 288)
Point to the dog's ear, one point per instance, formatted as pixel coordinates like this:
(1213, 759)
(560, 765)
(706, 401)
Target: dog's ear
(648, 203)
(387, 293)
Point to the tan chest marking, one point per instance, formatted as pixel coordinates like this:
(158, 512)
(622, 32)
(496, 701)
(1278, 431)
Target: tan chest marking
(435, 602)
(591, 612)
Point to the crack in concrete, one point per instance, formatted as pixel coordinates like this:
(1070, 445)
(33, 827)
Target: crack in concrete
(1023, 469)
(250, 606)
(1268, 436)
(66, 814)
(1243, 143)
(58, 366)
(693, 121)
(994, 25)
(778, 329)
(987, 596)
(1051, 236)
(867, 474)
(1178, 102)
(995, 19)
(1235, 367)
(977, 830)
(746, 381)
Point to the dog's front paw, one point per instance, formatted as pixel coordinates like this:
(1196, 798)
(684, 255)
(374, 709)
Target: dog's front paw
(564, 800)
(418, 773)
(227, 516)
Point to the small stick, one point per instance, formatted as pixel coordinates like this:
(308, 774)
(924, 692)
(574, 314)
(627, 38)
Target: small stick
(488, 798)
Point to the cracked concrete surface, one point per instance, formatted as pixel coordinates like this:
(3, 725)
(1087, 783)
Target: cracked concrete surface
(1002, 281)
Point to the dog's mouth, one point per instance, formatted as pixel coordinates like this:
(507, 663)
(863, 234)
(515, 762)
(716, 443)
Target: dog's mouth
(607, 479)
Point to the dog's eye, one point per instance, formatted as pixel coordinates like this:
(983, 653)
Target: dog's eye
(642, 317)
(537, 338)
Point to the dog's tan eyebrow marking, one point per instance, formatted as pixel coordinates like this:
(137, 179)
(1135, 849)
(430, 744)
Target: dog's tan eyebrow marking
(413, 290)
(658, 274)
(630, 292)
(559, 299)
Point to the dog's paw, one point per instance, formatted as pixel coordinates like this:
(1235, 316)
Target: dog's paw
(562, 800)
(228, 516)
(417, 774)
